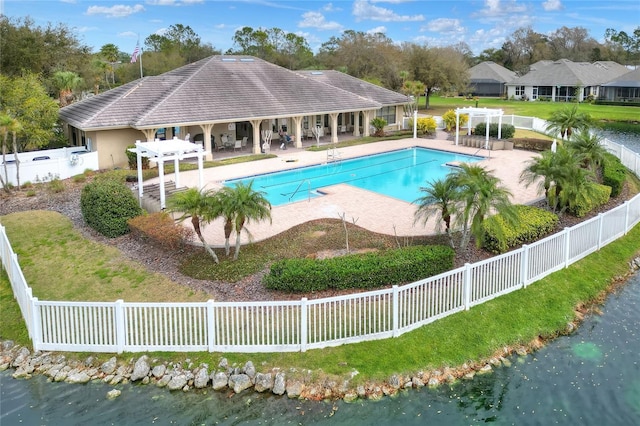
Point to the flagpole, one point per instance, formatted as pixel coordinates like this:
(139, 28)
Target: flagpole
(140, 62)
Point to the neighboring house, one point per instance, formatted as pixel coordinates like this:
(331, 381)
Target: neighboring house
(625, 88)
(489, 79)
(230, 97)
(564, 80)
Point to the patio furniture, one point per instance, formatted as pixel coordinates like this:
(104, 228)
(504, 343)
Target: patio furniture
(244, 141)
(238, 144)
(224, 141)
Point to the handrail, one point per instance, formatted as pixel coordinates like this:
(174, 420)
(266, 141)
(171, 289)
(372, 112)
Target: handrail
(298, 188)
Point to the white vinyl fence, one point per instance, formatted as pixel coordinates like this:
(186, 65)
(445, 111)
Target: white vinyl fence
(307, 324)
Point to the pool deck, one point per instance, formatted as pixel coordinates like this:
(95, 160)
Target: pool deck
(370, 210)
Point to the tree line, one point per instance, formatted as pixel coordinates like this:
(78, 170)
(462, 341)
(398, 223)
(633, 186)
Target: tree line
(376, 58)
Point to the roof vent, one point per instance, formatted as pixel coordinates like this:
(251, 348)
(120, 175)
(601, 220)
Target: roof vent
(228, 59)
(316, 72)
(246, 59)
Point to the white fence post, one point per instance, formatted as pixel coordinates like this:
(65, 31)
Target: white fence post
(600, 216)
(118, 309)
(304, 338)
(567, 247)
(211, 335)
(626, 217)
(395, 314)
(466, 283)
(524, 265)
(36, 330)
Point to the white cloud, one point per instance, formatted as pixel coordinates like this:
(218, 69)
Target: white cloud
(381, 29)
(444, 26)
(316, 20)
(552, 5)
(116, 11)
(173, 2)
(128, 34)
(329, 7)
(364, 10)
(497, 8)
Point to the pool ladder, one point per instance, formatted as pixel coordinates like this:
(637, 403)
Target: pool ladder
(298, 188)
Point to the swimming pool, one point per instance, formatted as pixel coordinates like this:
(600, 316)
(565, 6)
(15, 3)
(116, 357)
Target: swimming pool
(398, 174)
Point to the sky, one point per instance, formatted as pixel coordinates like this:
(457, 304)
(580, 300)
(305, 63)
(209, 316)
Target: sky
(481, 24)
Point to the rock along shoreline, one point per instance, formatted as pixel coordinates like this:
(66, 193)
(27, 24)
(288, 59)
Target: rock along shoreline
(234, 379)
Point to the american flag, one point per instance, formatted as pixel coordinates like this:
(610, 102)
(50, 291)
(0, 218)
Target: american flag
(134, 56)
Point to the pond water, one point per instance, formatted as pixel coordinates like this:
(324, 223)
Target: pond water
(591, 377)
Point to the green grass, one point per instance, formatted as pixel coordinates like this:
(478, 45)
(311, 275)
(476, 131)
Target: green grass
(439, 105)
(60, 264)
(514, 319)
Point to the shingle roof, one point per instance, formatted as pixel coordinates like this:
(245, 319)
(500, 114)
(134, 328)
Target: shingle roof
(630, 79)
(220, 89)
(568, 73)
(490, 72)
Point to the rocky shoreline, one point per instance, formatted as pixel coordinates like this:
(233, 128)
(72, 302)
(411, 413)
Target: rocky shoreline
(234, 379)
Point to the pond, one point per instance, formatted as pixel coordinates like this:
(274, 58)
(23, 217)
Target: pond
(591, 377)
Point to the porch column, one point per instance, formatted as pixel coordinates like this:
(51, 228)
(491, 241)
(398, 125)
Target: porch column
(206, 136)
(150, 134)
(255, 125)
(297, 122)
(334, 127)
(356, 123)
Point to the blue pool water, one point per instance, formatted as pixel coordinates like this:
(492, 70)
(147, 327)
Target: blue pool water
(398, 174)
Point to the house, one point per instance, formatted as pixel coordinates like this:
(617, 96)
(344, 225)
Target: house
(227, 97)
(564, 80)
(625, 88)
(489, 79)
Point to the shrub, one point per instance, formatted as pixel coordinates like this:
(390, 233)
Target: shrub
(425, 125)
(449, 119)
(107, 205)
(363, 271)
(507, 130)
(159, 229)
(132, 157)
(534, 223)
(56, 185)
(601, 194)
(532, 144)
(614, 174)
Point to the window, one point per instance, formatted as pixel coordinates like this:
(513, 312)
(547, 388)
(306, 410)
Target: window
(519, 90)
(388, 113)
(545, 92)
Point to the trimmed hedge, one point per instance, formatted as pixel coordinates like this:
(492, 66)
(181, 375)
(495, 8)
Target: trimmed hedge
(361, 271)
(107, 205)
(534, 223)
(532, 144)
(614, 174)
(507, 130)
(601, 195)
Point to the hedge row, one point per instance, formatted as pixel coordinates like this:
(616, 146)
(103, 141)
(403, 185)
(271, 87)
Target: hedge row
(601, 194)
(613, 174)
(534, 223)
(507, 130)
(361, 271)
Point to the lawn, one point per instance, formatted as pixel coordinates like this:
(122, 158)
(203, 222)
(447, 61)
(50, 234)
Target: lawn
(439, 105)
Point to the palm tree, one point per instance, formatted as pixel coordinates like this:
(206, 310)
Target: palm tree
(242, 203)
(564, 121)
(110, 53)
(378, 123)
(439, 199)
(588, 147)
(200, 205)
(225, 200)
(541, 170)
(66, 82)
(11, 125)
(481, 194)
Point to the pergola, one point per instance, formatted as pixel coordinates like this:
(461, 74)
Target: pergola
(166, 150)
(481, 112)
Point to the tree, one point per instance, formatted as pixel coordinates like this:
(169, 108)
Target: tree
(571, 43)
(66, 82)
(587, 145)
(523, 48)
(378, 123)
(243, 203)
(480, 194)
(8, 125)
(630, 44)
(564, 121)
(26, 100)
(415, 89)
(440, 199)
(542, 170)
(110, 53)
(441, 68)
(201, 207)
